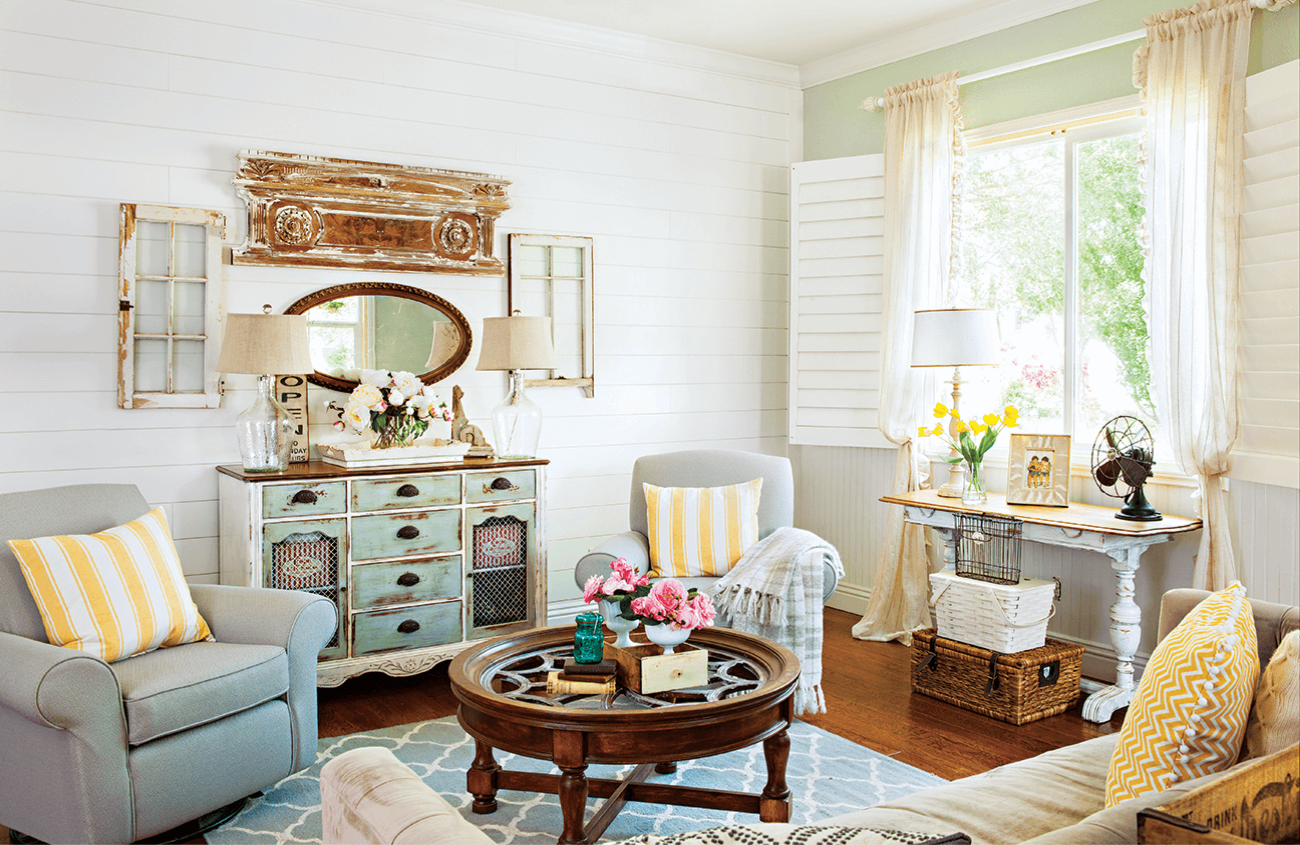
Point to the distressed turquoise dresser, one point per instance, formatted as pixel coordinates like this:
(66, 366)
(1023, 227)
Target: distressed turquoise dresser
(420, 560)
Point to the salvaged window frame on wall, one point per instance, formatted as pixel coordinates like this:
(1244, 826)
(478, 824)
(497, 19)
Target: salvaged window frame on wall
(169, 307)
(548, 279)
(309, 211)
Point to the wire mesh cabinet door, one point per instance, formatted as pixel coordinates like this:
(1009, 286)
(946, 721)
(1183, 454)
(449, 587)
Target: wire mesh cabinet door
(502, 582)
(310, 555)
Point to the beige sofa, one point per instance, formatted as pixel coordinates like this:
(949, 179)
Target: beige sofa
(1056, 797)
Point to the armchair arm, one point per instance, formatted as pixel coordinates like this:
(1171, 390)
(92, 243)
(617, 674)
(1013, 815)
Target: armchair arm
(65, 748)
(830, 579)
(300, 623)
(633, 546)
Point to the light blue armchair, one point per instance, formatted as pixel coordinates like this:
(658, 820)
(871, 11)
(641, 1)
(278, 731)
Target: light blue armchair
(97, 752)
(699, 468)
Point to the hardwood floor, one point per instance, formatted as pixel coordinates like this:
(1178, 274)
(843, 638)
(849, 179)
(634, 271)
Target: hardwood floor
(868, 695)
(868, 701)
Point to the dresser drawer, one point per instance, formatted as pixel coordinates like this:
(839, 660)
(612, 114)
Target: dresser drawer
(401, 534)
(405, 627)
(303, 499)
(416, 491)
(407, 582)
(500, 486)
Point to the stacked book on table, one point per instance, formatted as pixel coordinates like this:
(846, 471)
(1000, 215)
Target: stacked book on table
(575, 678)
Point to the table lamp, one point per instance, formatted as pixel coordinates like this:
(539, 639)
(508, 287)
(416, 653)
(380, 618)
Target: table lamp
(264, 345)
(517, 343)
(955, 337)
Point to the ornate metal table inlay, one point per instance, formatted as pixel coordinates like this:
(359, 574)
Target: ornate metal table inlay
(522, 677)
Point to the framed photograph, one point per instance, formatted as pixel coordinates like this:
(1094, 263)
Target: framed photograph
(1039, 470)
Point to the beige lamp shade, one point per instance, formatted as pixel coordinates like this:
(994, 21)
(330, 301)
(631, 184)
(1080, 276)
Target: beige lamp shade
(265, 344)
(955, 337)
(516, 343)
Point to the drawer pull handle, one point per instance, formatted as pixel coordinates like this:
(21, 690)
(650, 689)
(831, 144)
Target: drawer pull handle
(408, 532)
(406, 491)
(408, 579)
(499, 484)
(304, 497)
(410, 626)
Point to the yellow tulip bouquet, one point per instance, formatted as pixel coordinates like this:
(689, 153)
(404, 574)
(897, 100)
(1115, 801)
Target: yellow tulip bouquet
(974, 439)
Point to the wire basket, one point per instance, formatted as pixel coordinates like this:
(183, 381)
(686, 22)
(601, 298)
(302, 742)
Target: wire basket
(988, 548)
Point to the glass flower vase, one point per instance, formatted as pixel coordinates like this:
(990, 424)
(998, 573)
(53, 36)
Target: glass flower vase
(972, 491)
(612, 611)
(398, 431)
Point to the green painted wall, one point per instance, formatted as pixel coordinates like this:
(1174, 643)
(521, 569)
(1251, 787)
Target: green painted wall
(834, 126)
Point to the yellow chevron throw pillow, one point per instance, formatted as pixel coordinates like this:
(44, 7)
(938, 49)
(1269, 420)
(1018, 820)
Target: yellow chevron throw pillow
(1188, 715)
(115, 594)
(701, 531)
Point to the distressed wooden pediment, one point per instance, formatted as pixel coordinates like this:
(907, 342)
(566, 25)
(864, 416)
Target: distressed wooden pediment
(328, 212)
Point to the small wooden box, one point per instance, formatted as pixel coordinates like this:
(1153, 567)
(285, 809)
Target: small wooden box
(1016, 688)
(645, 668)
(1257, 803)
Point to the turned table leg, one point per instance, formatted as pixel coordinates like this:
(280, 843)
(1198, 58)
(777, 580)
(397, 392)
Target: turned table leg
(573, 804)
(774, 806)
(481, 781)
(1125, 635)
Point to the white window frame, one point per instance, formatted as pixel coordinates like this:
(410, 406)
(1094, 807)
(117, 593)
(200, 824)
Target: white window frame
(214, 224)
(586, 379)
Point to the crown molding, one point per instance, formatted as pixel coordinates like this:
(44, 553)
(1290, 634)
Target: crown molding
(943, 33)
(519, 25)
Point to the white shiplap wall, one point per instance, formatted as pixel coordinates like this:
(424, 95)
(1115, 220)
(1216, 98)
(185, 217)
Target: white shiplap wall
(674, 159)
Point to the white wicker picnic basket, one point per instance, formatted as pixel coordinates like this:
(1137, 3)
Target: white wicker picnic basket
(1000, 617)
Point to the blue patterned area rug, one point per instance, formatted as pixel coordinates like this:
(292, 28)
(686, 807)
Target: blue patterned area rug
(827, 776)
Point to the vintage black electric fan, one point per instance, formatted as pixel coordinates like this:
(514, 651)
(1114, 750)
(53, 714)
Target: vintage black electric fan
(1122, 458)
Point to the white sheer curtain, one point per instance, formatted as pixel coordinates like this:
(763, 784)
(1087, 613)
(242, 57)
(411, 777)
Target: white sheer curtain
(1192, 72)
(922, 162)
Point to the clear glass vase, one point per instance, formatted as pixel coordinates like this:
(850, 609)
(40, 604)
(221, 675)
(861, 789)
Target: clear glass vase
(972, 491)
(517, 421)
(265, 431)
(399, 431)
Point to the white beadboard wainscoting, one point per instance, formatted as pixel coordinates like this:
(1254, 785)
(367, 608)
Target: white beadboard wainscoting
(837, 491)
(674, 159)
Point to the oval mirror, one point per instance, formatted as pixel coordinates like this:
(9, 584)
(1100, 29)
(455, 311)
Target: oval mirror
(382, 326)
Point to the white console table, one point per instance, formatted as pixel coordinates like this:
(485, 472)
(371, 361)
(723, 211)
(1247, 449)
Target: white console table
(1077, 526)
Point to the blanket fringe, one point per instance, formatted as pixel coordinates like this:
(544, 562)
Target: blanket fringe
(748, 603)
(808, 698)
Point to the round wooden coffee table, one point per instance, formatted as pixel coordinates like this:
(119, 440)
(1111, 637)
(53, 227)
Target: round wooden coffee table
(501, 685)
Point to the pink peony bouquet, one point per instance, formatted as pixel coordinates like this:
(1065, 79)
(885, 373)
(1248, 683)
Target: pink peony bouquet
(670, 603)
(623, 583)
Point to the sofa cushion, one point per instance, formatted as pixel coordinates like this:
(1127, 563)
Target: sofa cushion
(115, 594)
(175, 689)
(700, 531)
(1023, 804)
(1189, 712)
(1274, 721)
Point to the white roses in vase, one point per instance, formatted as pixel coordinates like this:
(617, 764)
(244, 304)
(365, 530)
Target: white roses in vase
(398, 407)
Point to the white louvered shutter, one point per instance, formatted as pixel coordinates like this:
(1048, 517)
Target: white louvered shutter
(836, 265)
(1268, 449)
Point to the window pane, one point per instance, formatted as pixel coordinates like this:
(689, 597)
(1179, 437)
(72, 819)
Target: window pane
(151, 248)
(150, 366)
(532, 260)
(191, 244)
(1013, 252)
(187, 366)
(151, 307)
(188, 308)
(1112, 362)
(566, 261)
(335, 345)
(335, 311)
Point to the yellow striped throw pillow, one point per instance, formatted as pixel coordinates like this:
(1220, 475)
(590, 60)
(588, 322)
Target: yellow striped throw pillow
(1188, 715)
(700, 531)
(115, 594)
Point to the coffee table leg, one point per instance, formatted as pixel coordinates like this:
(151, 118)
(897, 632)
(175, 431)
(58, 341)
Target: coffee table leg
(774, 806)
(573, 804)
(665, 768)
(482, 779)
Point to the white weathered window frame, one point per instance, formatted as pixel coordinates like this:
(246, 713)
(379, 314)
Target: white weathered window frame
(587, 378)
(214, 225)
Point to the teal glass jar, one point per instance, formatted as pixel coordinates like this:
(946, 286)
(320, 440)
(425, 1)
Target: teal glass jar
(589, 641)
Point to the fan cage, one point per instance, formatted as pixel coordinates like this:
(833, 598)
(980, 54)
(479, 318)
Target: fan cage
(988, 548)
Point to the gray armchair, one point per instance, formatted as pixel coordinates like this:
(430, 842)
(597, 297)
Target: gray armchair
(699, 468)
(97, 752)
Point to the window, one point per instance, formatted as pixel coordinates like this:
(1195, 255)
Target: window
(1050, 225)
(169, 307)
(551, 276)
(339, 333)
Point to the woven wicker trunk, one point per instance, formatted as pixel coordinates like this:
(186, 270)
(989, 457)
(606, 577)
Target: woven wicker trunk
(1016, 688)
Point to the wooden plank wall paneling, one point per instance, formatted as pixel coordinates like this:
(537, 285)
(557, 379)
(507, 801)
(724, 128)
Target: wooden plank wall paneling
(674, 160)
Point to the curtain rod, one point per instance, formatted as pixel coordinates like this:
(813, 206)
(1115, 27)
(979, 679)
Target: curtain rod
(878, 103)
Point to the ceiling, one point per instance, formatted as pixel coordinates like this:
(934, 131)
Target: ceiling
(789, 31)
